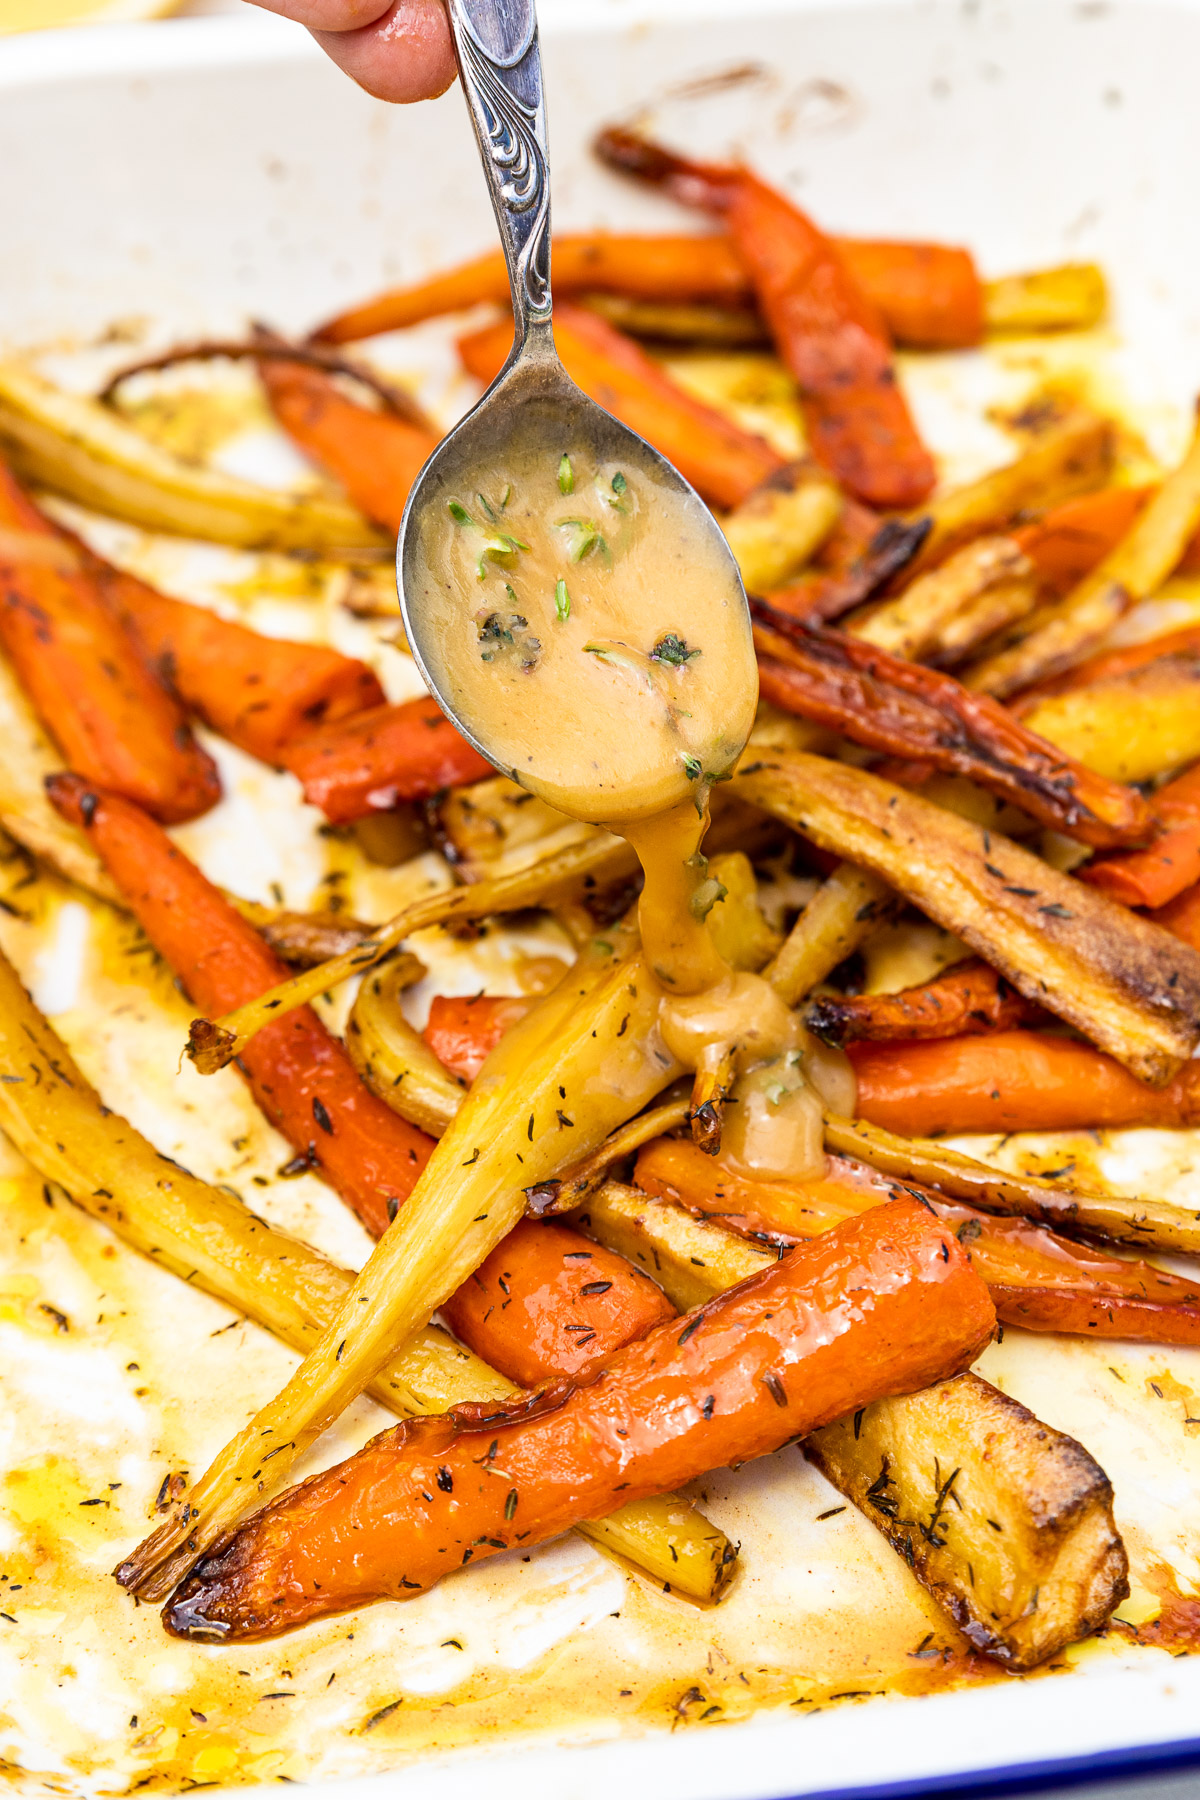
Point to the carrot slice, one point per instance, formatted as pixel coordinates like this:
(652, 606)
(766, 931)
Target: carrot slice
(830, 335)
(300, 1075)
(374, 455)
(963, 1002)
(923, 715)
(548, 1302)
(1110, 665)
(377, 759)
(258, 692)
(884, 1305)
(1066, 543)
(93, 689)
(1011, 1081)
(1036, 1278)
(462, 1030)
(721, 461)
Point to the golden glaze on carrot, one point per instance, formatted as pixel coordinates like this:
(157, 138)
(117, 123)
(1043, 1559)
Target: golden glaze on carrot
(90, 683)
(1169, 865)
(1036, 1278)
(830, 335)
(926, 716)
(374, 455)
(300, 1075)
(377, 759)
(259, 692)
(547, 1302)
(883, 1305)
(1012, 1081)
(721, 461)
(966, 1000)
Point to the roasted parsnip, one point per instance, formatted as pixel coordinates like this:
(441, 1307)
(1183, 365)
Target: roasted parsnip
(1053, 1502)
(1137, 727)
(1064, 633)
(777, 528)
(539, 1104)
(1123, 982)
(76, 447)
(203, 1234)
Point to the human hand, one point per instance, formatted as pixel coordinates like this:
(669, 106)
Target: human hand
(396, 49)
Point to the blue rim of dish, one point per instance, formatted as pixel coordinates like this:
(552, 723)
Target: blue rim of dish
(1016, 1778)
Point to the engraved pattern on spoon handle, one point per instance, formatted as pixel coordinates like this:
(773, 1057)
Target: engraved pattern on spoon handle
(496, 44)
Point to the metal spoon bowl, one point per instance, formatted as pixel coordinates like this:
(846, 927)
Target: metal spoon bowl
(533, 405)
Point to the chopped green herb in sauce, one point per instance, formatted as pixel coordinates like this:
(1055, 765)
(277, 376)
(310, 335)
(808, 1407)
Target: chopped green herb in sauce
(566, 476)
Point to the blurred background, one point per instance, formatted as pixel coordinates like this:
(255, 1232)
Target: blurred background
(33, 15)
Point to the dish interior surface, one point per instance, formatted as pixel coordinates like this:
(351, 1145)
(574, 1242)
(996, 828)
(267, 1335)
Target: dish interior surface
(218, 172)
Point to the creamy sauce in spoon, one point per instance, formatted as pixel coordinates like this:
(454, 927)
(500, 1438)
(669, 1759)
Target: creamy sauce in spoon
(581, 622)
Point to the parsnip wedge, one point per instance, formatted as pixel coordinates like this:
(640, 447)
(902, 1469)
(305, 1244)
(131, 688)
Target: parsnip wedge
(76, 447)
(1124, 982)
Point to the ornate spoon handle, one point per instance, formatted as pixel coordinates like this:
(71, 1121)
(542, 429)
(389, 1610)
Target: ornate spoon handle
(496, 43)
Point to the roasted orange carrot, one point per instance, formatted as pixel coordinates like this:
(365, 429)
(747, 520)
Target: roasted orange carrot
(374, 455)
(830, 335)
(721, 461)
(1162, 871)
(377, 759)
(1110, 665)
(300, 1075)
(883, 1305)
(929, 294)
(1012, 1081)
(93, 688)
(861, 554)
(1182, 916)
(923, 715)
(461, 1030)
(548, 1302)
(965, 1001)
(1066, 543)
(259, 692)
(1037, 1278)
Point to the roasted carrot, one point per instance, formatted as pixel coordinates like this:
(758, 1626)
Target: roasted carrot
(1012, 1081)
(1037, 1278)
(548, 1302)
(1169, 865)
(374, 455)
(461, 1030)
(1111, 665)
(300, 1075)
(861, 554)
(883, 1305)
(1181, 916)
(929, 294)
(830, 335)
(923, 715)
(259, 692)
(377, 759)
(965, 1001)
(721, 461)
(93, 689)
(1067, 542)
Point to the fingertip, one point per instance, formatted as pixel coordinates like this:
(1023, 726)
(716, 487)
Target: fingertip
(406, 55)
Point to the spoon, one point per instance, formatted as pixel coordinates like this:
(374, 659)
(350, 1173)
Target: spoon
(532, 409)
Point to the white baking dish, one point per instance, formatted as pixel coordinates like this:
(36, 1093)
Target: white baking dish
(205, 171)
